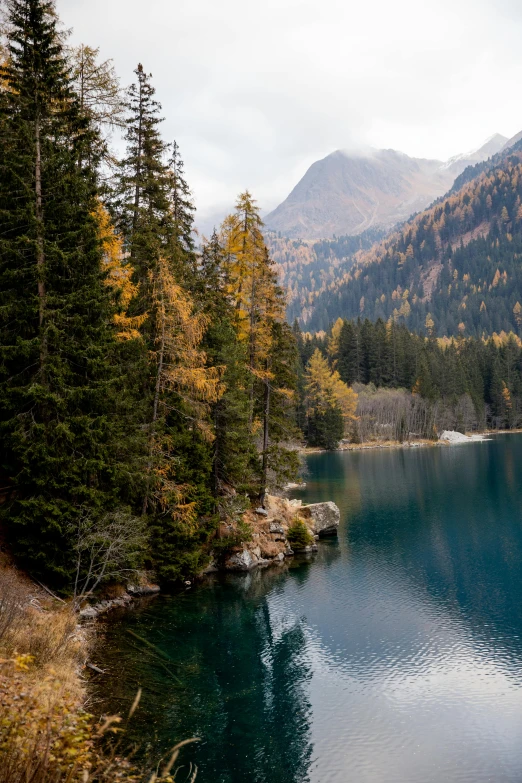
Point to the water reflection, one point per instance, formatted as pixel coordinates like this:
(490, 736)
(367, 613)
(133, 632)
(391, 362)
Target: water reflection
(396, 657)
(240, 680)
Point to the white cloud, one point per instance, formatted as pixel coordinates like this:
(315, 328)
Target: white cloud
(255, 92)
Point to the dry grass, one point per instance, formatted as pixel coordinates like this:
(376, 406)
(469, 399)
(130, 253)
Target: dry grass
(45, 734)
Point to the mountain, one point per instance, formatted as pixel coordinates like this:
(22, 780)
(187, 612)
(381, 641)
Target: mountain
(491, 146)
(453, 269)
(305, 268)
(348, 193)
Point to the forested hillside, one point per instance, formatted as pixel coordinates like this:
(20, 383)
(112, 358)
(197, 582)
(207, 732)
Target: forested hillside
(453, 269)
(410, 386)
(305, 268)
(146, 389)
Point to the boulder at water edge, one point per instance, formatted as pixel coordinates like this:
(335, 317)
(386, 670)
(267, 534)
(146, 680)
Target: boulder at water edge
(243, 560)
(323, 518)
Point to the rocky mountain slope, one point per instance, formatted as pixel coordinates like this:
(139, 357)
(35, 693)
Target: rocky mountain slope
(348, 193)
(453, 269)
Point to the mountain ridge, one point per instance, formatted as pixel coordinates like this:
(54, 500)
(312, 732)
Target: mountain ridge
(456, 265)
(347, 193)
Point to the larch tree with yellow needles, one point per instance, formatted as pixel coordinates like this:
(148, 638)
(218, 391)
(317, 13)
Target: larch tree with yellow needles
(259, 314)
(331, 403)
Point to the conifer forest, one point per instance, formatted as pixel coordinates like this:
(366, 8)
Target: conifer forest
(146, 385)
(150, 384)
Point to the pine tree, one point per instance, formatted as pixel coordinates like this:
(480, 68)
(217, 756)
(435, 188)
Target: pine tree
(331, 403)
(350, 361)
(180, 224)
(142, 200)
(280, 432)
(259, 313)
(234, 457)
(180, 388)
(55, 310)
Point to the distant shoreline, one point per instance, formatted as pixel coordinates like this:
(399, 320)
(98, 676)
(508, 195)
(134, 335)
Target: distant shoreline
(395, 444)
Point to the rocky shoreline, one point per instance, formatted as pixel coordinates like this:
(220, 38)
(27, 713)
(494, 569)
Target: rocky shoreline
(270, 525)
(268, 546)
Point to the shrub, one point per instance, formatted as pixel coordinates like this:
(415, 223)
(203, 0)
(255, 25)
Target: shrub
(298, 535)
(45, 734)
(13, 598)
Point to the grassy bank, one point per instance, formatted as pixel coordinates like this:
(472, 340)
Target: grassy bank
(46, 733)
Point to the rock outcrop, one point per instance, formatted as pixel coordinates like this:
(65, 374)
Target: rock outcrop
(140, 587)
(269, 543)
(451, 436)
(324, 518)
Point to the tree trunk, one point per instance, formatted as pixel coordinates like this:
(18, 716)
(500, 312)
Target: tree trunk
(252, 346)
(155, 407)
(265, 442)
(40, 253)
(216, 456)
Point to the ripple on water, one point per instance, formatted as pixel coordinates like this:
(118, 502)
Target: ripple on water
(395, 658)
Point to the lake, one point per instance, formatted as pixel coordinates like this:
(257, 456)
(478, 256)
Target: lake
(393, 656)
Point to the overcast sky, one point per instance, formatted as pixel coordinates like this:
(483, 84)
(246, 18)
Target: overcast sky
(254, 92)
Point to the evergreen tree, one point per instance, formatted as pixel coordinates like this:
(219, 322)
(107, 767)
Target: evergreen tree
(55, 310)
(141, 201)
(348, 362)
(180, 239)
(280, 432)
(178, 387)
(234, 457)
(331, 403)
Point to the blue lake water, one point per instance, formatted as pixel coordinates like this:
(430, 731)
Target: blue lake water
(393, 656)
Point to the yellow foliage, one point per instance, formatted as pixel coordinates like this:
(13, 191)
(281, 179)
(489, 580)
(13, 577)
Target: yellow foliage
(118, 276)
(502, 338)
(178, 333)
(496, 279)
(180, 368)
(506, 396)
(333, 342)
(253, 288)
(326, 389)
(46, 736)
(405, 308)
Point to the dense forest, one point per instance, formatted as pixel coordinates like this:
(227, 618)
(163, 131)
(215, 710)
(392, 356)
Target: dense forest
(146, 387)
(453, 269)
(409, 386)
(306, 268)
(151, 387)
